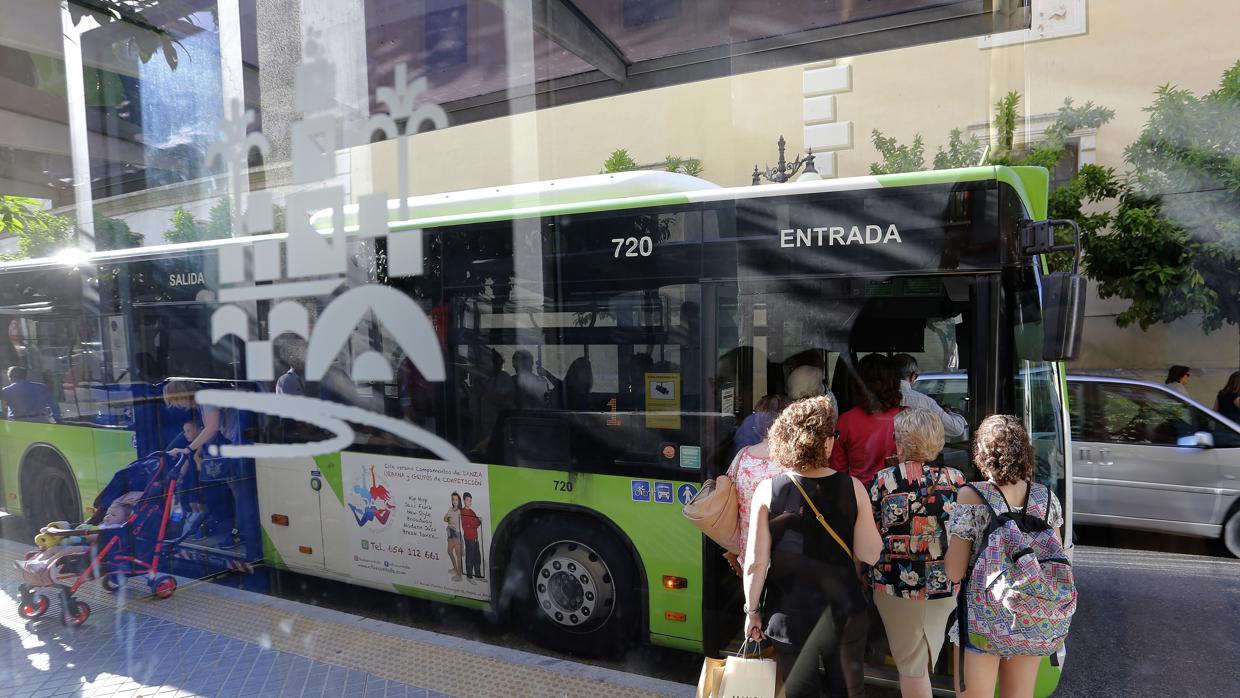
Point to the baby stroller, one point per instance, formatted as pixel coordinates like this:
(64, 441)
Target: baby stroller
(116, 553)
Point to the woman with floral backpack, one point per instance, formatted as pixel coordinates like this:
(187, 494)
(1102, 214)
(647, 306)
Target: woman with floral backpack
(1005, 550)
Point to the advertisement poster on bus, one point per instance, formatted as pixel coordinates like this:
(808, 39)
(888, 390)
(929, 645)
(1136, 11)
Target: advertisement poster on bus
(418, 523)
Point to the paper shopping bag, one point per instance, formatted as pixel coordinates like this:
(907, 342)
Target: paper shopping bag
(708, 682)
(748, 678)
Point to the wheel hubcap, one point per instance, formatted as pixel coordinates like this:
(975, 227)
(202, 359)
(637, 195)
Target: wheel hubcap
(573, 586)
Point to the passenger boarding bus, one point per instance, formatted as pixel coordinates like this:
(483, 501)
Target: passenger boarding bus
(503, 398)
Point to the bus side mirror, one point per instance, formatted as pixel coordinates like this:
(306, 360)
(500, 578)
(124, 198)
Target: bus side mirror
(1063, 315)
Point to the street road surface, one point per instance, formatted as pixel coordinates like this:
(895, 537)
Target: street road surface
(1150, 622)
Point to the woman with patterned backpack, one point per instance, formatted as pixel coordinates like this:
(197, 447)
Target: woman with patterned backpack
(1017, 594)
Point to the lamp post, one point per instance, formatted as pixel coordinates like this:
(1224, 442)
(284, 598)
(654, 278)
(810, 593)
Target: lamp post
(785, 171)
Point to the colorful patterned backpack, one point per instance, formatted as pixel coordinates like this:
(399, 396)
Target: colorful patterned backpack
(1019, 595)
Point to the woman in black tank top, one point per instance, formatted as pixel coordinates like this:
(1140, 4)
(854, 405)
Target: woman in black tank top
(805, 573)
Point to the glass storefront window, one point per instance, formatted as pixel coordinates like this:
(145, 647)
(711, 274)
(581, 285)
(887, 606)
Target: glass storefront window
(337, 318)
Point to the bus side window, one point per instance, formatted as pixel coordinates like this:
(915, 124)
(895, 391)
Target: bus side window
(608, 380)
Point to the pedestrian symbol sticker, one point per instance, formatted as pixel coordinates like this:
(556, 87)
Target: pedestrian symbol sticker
(663, 492)
(641, 490)
(686, 493)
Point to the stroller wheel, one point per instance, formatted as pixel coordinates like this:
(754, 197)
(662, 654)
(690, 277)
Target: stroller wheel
(35, 608)
(75, 614)
(112, 582)
(163, 586)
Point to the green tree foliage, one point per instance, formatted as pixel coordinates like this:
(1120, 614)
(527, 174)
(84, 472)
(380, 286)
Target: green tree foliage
(621, 161)
(114, 234)
(960, 152)
(689, 166)
(39, 233)
(186, 228)
(1174, 248)
(897, 157)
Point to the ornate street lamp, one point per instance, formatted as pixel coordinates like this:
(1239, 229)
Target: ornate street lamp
(785, 171)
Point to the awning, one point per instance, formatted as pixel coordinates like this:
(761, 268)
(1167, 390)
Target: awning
(587, 49)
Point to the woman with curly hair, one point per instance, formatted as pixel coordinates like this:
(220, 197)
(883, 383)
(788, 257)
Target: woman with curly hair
(1004, 455)
(867, 431)
(809, 527)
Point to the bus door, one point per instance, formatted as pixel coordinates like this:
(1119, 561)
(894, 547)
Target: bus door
(290, 493)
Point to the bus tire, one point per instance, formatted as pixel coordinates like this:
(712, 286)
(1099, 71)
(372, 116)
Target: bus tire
(573, 586)
(49, 490)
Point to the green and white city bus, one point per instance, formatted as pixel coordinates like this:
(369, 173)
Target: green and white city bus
(573, 356)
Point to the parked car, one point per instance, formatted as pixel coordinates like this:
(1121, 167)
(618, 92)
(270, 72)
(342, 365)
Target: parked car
(1144, 457)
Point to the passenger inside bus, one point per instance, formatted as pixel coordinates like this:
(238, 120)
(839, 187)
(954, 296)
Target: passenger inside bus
(27, 399)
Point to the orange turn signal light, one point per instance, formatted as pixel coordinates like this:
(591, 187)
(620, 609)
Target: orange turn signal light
(279, 519)
(673, 615)
(305, 549)
(670, 582)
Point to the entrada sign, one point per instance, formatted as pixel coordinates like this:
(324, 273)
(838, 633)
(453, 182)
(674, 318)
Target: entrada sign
(827, 236)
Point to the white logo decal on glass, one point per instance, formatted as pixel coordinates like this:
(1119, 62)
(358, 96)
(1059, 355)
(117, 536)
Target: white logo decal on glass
(319, 265)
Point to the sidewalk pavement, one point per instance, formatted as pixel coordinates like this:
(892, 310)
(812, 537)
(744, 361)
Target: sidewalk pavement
(210, 640)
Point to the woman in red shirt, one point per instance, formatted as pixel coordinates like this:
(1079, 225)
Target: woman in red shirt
(867, 431)
(866, 438)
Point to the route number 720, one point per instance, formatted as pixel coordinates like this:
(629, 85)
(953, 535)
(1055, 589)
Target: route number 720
(636, 247)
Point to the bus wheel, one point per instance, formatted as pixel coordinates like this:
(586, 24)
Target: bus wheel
(574, 586)
(1231, 534)
(50, 491)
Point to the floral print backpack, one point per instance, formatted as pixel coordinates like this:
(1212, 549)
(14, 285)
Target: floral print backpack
(1019, 595)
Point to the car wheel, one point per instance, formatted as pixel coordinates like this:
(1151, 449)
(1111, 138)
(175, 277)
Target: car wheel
(574, 586)
(1231, 534)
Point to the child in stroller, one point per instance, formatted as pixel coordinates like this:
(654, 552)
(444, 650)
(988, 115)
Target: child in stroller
(59, 533)
(116, 551)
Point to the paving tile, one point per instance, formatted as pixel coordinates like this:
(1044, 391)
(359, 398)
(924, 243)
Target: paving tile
(217, 643)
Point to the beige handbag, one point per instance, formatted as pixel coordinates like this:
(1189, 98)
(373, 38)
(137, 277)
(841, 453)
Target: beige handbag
(715, 510)
(710, 678)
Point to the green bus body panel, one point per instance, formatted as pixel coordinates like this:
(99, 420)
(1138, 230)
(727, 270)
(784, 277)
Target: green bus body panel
(677, 643)
(94, 455)
(666, 543)
(1037, 182)
(1031, 183)
(271, 555)
(443, 598)
(329, 466)
(1048, 679)
(539, 211)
